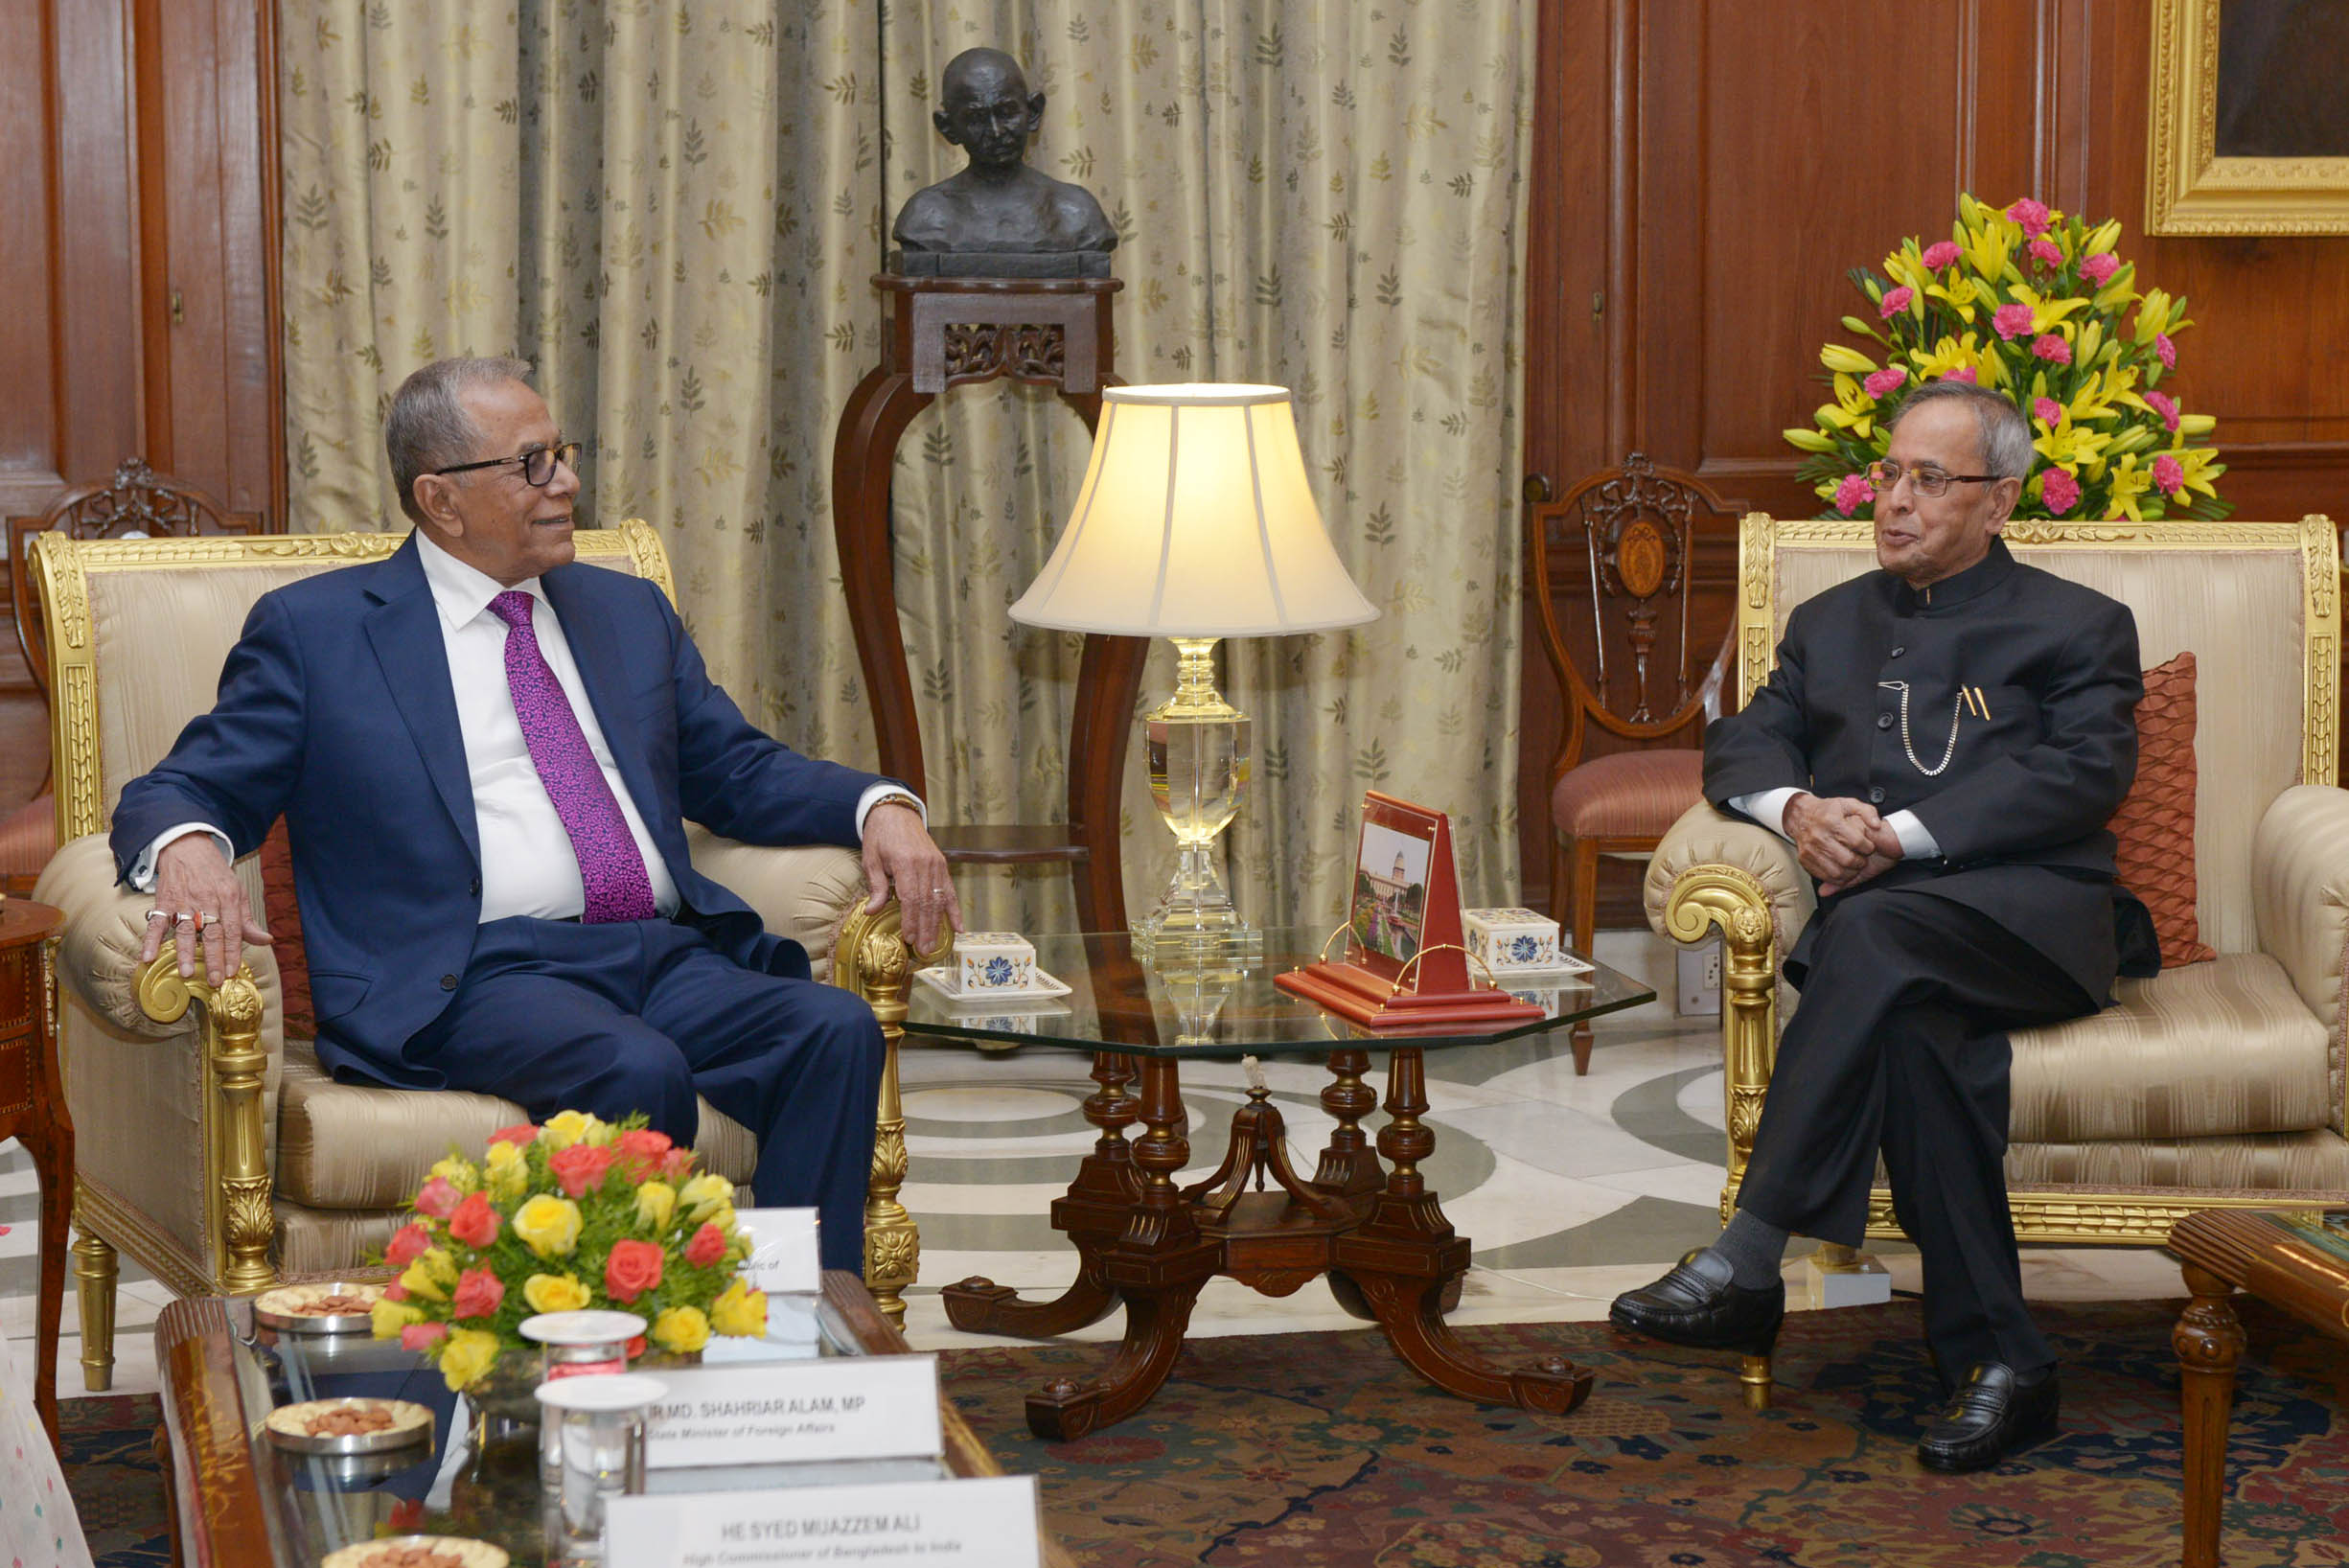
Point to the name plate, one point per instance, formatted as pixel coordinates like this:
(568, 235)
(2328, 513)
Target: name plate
(789, 1412)
(983, 1523)
(783, 1256)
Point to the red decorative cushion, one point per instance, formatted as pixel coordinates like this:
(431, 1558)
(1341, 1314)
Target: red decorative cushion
(2154, 853)
(283, 915)
(1632, 794)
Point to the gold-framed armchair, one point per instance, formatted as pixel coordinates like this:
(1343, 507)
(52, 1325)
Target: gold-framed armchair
(2212, 1085)
(211, 1147)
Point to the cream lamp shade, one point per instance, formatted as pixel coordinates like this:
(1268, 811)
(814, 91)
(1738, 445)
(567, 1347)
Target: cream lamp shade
(1195, 521)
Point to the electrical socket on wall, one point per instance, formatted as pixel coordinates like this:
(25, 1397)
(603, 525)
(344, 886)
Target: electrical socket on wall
(1699, 977)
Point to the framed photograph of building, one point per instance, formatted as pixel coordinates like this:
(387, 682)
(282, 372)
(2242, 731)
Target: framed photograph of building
(1390, 906)
(2248, 129)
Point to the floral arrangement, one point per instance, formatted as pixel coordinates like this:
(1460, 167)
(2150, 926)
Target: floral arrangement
(2039, 306)
(576, 1213)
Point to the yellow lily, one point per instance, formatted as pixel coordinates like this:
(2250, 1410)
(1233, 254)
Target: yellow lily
(1808, 440)
(1949, 354)
(2152, 315)
(2045, 313)
(2072, 446)
(1961, 295)
(2200, 465)
(1990, 245)
(1852, 409)
(2129, 482)
(2196, 424)
(1837, 358)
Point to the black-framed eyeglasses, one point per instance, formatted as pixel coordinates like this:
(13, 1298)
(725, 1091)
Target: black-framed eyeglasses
(538, 464)
(1883, 474)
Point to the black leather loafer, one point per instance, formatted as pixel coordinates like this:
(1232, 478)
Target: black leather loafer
(1993, 1414)
(1701, 1305)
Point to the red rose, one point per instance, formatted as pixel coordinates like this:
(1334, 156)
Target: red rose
(417, 1335)
(676, 1165)
(474, 1222)
(641, 1150)
(395, 1292)
(405, 1243)
(520, 1135)
(436, 1198)
(635, 1348)
(578, 1167)
(479, 1293)
(707, 1246)
(633, 1269)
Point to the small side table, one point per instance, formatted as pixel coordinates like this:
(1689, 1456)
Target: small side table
(2289, 1259)
(33, 1111)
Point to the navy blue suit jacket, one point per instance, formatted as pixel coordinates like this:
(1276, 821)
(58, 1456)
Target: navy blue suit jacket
(336, 710)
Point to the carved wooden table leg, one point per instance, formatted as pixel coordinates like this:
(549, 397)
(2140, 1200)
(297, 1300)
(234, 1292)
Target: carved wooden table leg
(1093, 1214)
(1404, 1256)
(1157, 1266)
(2209, 1342)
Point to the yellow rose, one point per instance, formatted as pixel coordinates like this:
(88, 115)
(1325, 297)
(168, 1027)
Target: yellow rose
(430, 1275)
(599, 1131)
(390, 1316)
(554, 1293)
(509, 1173)
(563, 1129)
(549, 1225)
(656, 1202)
(681, 1328)
(458, 1173)
(740, 1312)
(467, 1355)
(704, 1194)
(722, 1217)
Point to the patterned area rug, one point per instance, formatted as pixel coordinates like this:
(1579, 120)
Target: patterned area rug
(1323, 1450)
(109, 1464)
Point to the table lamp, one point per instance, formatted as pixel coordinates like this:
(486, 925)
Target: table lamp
(1195, 523)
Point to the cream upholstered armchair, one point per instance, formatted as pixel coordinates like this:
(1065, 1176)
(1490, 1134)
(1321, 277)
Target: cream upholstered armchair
(2212, 1085)
(211, 1147)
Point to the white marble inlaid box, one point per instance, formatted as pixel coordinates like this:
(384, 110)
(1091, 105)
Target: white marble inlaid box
(1509, 939)
(993, 960)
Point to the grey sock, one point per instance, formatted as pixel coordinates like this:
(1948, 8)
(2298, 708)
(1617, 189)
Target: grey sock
(1754, 1248)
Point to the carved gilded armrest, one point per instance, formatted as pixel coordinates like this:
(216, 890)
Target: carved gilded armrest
(1714, 871)
(2300, 898)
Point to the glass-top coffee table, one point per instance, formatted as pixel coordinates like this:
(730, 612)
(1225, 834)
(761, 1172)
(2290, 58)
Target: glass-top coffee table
(237, 1497)
(1366, 1222)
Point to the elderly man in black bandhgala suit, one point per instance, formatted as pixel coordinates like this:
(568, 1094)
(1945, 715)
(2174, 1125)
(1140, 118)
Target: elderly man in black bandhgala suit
(1943, 742)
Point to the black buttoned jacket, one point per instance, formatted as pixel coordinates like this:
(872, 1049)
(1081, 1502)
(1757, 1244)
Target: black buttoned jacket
(2028, 760)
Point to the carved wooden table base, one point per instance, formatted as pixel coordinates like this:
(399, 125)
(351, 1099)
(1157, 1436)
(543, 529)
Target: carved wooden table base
(2282, 1260)
(1143, 1243)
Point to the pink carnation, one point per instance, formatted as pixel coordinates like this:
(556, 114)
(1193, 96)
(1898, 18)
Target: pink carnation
(2099, 268)
(2033, 216)
(2060, 490)
(2051, 347)
(1941, 254)
(1885, 381)
(2046, 252)
(578, 1167)
(2048, 410)
(405, 1243)
(2011, 320)
(1964, 373)
(479, 1291)
(2169, 473)
(2167, 350)
(2164, 405)
(1854, 493)
(436, 1198)
(416, 1336)
(1896, 302)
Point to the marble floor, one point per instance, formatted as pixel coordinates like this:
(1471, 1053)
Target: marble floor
(1572, 1190)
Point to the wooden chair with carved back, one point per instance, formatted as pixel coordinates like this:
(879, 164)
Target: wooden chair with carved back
(135, 504)
(1611, 575)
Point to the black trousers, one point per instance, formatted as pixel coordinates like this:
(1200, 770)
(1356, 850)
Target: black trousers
(1900, 1045)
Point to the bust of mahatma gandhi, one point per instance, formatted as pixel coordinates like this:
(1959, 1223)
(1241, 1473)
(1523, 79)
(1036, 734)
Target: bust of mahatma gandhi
(998, 217)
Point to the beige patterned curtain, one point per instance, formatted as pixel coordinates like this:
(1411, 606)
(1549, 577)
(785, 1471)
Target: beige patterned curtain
(673, 207)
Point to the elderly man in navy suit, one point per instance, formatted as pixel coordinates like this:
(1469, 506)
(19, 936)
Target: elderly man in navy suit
(485, 754)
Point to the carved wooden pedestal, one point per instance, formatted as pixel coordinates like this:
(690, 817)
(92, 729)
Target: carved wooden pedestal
(1372, 1228)
(33, 1111)
(944, 333)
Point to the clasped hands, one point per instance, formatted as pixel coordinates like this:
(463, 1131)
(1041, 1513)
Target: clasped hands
(1841, 841)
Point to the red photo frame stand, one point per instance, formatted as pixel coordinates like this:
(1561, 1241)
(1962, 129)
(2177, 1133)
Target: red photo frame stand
(1368, 987)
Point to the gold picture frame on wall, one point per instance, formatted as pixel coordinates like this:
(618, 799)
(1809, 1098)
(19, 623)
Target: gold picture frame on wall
(2249, 130)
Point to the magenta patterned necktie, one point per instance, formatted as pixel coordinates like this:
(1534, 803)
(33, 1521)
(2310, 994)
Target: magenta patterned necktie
(610, 868)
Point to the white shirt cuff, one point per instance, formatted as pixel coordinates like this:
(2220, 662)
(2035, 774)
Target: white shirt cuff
(143, 870)
(1769, 807)
(878, 793)
(1915, 842)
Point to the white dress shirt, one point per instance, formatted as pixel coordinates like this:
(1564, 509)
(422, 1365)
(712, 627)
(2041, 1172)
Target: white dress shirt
(1769, 807)
(528, 867)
